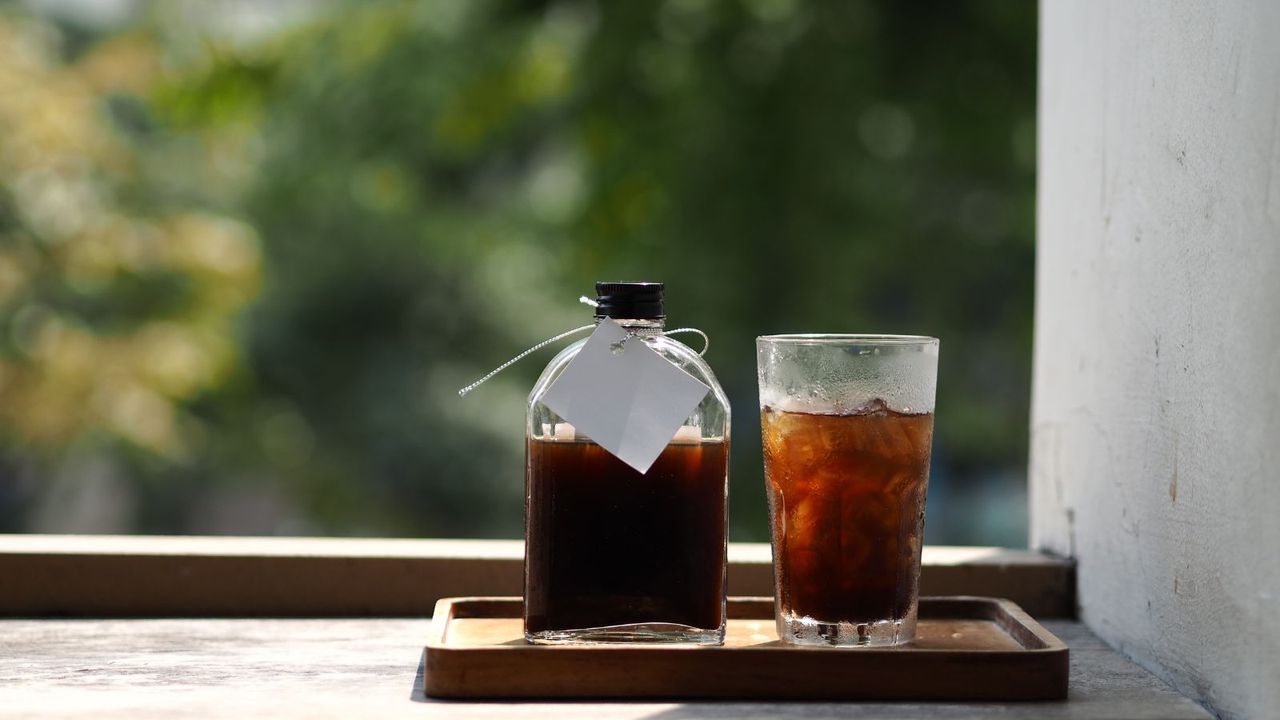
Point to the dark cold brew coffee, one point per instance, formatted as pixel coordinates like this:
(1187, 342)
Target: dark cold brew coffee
(607, 546)
(847, 496)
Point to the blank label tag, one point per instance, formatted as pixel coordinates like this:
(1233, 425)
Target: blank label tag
(624, 396)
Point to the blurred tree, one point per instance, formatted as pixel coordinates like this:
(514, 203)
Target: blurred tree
(115, 310)
(433, 183)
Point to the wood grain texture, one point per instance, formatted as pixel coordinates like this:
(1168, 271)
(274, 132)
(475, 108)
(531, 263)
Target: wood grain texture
(188, 669)
(202, 576)
(967, 648)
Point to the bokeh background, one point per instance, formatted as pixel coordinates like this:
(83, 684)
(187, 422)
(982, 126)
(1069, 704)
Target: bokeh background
(249, 250)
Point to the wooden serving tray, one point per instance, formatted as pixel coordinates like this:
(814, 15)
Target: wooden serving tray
(967, 648)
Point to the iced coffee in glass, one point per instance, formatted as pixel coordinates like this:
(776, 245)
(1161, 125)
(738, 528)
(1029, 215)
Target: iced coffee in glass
(847, 425)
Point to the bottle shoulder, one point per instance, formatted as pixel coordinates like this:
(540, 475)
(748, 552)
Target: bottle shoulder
(554, 368)
(676, 352)
(710, 420)
(685, 358)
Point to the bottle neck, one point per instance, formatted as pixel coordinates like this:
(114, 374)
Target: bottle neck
(640, 327)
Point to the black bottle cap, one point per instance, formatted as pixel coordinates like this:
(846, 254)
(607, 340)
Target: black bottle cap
(630, 300)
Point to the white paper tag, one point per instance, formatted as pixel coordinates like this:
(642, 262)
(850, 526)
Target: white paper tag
(624, 396)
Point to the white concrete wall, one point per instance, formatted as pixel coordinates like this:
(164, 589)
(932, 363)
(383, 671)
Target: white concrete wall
(1156, 410)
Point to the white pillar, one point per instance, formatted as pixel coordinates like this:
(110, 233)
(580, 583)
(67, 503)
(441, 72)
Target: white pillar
(1156, 406)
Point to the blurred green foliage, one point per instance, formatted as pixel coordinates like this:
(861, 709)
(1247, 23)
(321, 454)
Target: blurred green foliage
(420, 190)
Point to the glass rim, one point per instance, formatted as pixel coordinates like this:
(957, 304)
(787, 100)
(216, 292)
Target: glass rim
(846, 339)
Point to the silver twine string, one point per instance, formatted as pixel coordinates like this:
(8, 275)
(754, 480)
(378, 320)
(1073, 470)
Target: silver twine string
(706, 343)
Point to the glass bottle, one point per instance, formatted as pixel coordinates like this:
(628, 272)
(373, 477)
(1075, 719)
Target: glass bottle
(612, 555)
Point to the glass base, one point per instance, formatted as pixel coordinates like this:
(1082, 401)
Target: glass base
(808, 631)
(645, 633)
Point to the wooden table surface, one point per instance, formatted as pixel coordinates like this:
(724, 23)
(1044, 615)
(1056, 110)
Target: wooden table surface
(341, 668)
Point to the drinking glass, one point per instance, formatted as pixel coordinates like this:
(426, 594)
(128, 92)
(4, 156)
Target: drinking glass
(847, 425)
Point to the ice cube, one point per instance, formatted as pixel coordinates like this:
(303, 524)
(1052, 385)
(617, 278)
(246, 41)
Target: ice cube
(903, 485)
(813, 520)
(864, 516)
(875, 406)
